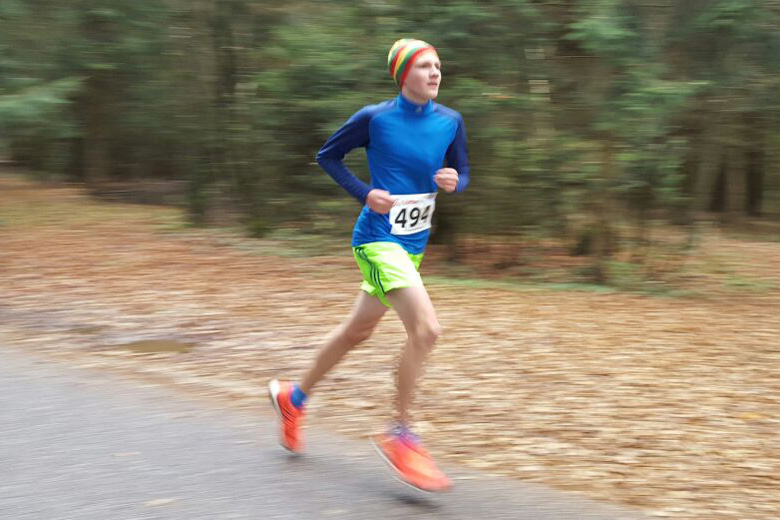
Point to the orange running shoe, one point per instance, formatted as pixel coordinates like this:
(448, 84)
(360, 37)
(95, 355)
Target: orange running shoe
(290, 417)
(410, 462)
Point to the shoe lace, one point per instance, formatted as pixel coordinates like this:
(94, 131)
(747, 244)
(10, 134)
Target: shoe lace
(405, 434)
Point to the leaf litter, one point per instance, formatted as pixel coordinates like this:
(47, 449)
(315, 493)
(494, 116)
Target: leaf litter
(668, 405)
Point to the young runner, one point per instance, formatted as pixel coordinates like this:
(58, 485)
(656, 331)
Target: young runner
(407, 140)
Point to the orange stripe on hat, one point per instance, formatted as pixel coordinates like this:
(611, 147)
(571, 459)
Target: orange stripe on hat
(402, 55)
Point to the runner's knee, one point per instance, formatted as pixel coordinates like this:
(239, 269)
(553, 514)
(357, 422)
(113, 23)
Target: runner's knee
(356, 335)
(426, 333)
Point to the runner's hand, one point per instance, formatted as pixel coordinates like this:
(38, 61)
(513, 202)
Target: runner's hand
(380, 201)
(446, 179)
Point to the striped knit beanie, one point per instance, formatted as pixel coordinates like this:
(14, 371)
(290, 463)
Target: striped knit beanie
(402, 55)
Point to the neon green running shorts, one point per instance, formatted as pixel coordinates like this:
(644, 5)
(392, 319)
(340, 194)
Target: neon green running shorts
(387, 266)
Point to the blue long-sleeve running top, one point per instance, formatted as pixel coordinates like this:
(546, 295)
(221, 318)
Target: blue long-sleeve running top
(406, 144)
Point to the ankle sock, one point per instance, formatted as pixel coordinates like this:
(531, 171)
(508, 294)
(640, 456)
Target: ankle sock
(298, 397)
(402, 431)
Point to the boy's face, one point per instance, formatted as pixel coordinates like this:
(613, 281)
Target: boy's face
(423, 79)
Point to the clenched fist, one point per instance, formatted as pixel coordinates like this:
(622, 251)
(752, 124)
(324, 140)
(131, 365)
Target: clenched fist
(446, 179)
(380, 201)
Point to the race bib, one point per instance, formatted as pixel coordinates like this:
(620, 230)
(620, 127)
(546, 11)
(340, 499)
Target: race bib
(412, 213)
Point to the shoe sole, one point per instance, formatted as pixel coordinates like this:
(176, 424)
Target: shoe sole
(273, 392)
(397, 474)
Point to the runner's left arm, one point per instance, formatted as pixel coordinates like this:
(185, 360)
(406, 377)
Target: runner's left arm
(458, 156)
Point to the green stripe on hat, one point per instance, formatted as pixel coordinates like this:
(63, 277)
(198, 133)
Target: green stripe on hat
(401, 54)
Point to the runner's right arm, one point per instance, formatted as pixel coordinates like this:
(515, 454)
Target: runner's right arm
(354, 134)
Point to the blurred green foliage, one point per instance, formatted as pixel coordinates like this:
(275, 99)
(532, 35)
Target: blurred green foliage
(585, 118)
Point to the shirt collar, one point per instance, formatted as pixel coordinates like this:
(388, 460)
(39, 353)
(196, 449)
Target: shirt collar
(410, 106)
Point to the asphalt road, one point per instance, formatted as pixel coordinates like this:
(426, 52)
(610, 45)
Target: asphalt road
(79, 444)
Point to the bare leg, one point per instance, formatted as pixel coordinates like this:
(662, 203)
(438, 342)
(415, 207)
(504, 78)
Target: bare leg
(366, 313)
(416, 311)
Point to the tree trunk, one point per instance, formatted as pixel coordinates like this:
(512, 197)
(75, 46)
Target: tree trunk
(755, 163)
(708, 169)
(95, 151)
(735, 196)
(94, 101)
(604, 239)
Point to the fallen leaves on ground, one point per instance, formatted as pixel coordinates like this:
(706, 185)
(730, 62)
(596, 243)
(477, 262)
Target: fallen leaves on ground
(669, 405)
